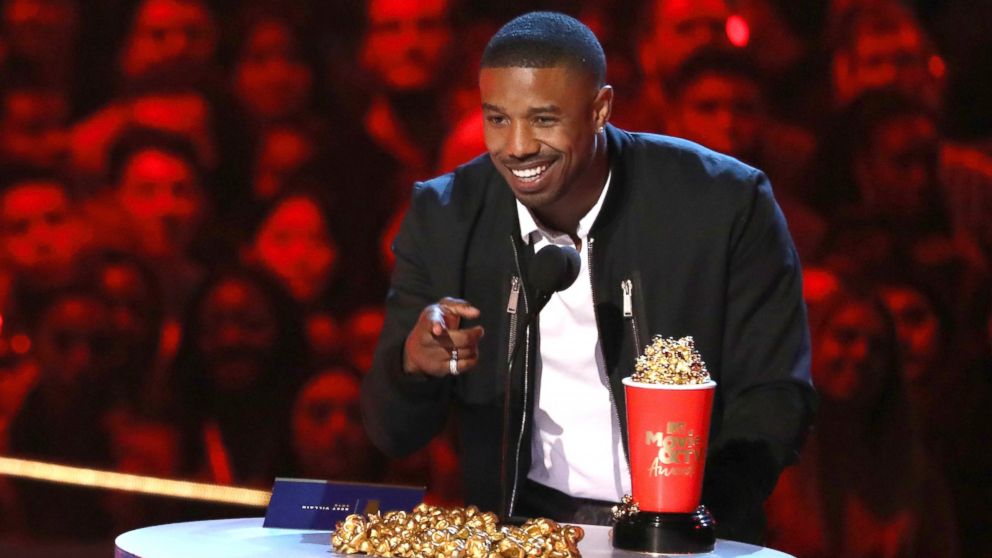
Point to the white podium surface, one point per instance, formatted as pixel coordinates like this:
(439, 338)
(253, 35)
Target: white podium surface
(246, 538)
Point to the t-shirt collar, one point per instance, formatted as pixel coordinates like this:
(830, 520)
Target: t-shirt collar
(531, 230)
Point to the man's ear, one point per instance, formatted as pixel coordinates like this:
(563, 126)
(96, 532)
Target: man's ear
(602, 106)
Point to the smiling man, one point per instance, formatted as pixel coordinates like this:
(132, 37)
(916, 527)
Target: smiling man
(674, 240)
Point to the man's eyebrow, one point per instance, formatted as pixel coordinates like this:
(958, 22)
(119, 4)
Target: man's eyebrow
(548, 109)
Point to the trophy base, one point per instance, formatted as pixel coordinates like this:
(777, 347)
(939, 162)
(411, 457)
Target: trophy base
(666, 533)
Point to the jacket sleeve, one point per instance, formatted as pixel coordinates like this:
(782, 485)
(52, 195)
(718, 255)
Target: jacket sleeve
(402, 412)
(768, 396)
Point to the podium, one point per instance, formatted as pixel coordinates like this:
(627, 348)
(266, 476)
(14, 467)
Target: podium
(246, 538)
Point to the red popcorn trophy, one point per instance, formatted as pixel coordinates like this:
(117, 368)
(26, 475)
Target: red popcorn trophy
(669, 403)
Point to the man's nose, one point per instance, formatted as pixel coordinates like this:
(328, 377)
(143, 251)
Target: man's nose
(522, 143)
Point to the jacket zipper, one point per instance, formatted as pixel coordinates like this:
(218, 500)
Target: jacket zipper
(511, 309)
(609, 390)
(628, 313)
(514, 296)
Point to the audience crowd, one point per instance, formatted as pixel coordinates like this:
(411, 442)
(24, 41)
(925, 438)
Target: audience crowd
(197, 201)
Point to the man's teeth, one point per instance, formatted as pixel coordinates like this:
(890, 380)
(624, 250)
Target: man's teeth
(532, 173)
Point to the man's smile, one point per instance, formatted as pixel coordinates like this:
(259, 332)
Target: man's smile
(531, 174)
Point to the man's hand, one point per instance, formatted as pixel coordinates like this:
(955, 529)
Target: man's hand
(436, 346)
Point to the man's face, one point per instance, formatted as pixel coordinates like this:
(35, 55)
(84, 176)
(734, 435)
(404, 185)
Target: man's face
(541, 130)
(239, 332)
(918, 328)
(72, 343)
(847, 362)
(293, 243)
(898, 173)
(893, 59)
(32, 127)
(721, 112)
(40, 234)
(406, 42)
(327, 428)
(363, 332)
(681, 27)
(168, 32)
(270, 78)
(129, 301)
(162, 193)
(282, 152)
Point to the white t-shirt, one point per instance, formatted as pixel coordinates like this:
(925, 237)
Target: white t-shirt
(576, 445)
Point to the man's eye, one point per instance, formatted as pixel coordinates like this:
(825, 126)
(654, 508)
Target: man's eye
(545, 120)
(497, 120)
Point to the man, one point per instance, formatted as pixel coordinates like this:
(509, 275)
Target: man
(41, 233)
(673, 30)
(688, 241)
(405, 49)
(718, 100)
(33, 122)
(167, 33)
(883, 45)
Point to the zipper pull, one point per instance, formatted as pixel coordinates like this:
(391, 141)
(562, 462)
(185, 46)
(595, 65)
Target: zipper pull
(511, 306)
(628, 298)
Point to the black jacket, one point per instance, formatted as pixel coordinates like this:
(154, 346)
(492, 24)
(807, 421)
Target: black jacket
(706, 251)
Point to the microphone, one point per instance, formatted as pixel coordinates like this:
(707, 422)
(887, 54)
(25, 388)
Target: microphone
(553, 269)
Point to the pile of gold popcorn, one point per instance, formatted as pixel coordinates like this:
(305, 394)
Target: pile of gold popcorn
(435, 532)
(670, 361)
(626, 509)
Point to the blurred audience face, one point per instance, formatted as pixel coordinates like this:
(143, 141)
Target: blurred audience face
(406, 43)
(270, 79)
(162, 193)
(364, 328)
(682, 27)
(282, 152)
(41, 30)
(32, 127)
(893, 54)
(918, 328)
(327, 428)
(238, 334)
(722, 112)
(169, 33)
(898, 172)
(129, 299)
(71, 343)
(848, 366)
(294, 244)
(41, 233)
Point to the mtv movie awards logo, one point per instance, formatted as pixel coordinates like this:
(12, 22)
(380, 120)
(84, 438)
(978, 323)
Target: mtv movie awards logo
(678, 450)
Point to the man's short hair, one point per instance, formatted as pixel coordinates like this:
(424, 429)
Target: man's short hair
(546, 40)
